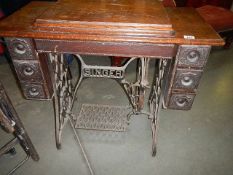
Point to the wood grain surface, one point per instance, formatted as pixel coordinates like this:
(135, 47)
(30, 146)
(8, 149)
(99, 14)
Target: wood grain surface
(28, 22)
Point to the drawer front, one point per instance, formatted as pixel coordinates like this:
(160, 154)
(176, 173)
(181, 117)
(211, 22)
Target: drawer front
(193, 56)
(20, 48)
(31, 68)
(28, 70)
(187, 79)
(181, 101)
(33, 91)
(185, 76)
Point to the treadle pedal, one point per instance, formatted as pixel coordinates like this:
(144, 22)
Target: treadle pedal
(103, 117)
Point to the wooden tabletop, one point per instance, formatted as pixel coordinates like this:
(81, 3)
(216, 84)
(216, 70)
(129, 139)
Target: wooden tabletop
(107, 18)
(144, 21)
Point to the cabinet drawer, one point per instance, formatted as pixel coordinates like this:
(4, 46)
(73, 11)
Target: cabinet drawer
(187, 79)
(28, 70)
(181, 101)
(33, 91)
(20, 48)
(193, 56)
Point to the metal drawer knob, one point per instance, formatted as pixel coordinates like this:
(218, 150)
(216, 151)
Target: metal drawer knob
(19, 48)
(187, 81)
(193, 56)
(181, 101)
(33, 91)
(28, 71)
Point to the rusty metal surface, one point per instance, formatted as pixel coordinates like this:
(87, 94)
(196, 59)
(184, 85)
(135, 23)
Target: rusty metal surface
(134, 90)
(156, 99)
(103, 117)
(62, 94)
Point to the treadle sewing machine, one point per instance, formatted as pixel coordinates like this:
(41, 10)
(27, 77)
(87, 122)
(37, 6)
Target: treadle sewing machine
(38, 35)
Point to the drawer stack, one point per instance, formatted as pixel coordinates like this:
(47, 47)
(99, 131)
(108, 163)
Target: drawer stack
(31, 68)
(185, 76)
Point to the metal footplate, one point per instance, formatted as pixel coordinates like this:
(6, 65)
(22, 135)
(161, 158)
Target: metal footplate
(103, 117)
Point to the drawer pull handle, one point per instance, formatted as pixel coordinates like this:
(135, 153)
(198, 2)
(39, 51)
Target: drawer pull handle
(181, 102)
(19, 48)
(193, 56)
(28, 71)
(187, 81)
(33, 91)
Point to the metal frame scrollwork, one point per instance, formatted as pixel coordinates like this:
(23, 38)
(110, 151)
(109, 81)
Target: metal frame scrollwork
(155, 100)
(134, 91)
(63, 99)
(62, 94)
(65, 94)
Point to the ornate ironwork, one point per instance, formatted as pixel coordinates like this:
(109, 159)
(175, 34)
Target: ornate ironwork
(103, 117)
(62, 93)
(65, 95)
(155, 101)
(63, 98)
(136, 91)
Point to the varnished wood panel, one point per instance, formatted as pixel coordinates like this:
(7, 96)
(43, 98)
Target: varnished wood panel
(141, 18)
(21, 24)
(45, 66)
(187, 22)
(107, 48)
(141, 12)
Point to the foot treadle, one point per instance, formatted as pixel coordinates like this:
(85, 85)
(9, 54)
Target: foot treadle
(103, 117)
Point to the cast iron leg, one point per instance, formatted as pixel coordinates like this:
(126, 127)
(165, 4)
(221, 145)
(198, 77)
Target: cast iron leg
(62, 94)
(155, 101)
